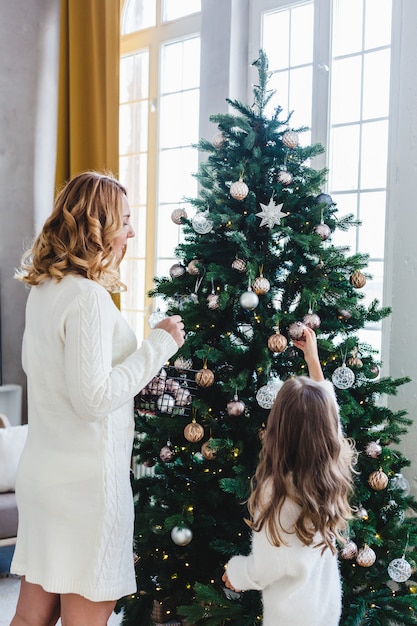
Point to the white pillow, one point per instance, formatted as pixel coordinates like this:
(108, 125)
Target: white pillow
(12, 440)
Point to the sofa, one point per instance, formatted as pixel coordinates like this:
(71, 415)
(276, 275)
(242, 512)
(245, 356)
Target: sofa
(12, 440)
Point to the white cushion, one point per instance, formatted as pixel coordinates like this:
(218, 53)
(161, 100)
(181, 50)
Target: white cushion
(12, 440)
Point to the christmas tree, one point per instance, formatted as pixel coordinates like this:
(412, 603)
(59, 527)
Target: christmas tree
(257, 263)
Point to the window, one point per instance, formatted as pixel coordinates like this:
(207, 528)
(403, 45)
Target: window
(159, 115)
(331, 65)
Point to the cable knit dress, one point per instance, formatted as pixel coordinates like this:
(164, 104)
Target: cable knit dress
(73, 489)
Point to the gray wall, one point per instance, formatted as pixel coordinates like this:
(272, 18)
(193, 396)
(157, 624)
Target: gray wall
(28, 102)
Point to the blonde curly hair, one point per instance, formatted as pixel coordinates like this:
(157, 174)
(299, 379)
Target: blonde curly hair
(77, 237)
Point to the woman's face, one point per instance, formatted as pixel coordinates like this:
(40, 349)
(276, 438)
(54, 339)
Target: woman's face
(120, 242)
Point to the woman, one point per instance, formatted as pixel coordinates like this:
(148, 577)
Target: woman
(298, 504)
(83, 367)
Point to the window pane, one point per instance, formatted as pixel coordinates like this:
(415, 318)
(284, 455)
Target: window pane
(180, 65)
(176, 168)
(302, 23)
(276, 38)
(344, 153)
(378, 23)
(374, 155)
(301, 85)
(347, 26)
(347, 204)
(372, 231)
(134, 77)
(179, 119)
(173, 9)
(373, 288)
(133, 174)
(280, 83)
(376, 84)
(132, 272)
(133, 127)
(169, 236)
(346, 90)
(138, 14)
(137, 245)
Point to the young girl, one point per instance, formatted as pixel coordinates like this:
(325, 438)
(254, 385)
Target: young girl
(298, 504)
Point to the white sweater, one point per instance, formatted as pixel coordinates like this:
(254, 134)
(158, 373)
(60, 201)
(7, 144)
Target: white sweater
(73, 488)
(300, 585)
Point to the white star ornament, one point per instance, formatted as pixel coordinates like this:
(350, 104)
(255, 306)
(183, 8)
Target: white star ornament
(271, 214)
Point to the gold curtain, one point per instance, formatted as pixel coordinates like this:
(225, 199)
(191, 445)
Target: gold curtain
(88, 106)
(88, 110)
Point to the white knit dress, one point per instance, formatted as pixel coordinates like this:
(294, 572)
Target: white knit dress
(73, 489)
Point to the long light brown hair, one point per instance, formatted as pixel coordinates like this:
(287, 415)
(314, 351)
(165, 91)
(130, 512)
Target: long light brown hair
(77, 237)
(306, 458)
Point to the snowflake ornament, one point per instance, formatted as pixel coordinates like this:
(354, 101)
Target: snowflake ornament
(271, 214)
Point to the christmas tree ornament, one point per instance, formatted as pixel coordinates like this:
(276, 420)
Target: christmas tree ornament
(290, 139)
(349, 550)
(400, 483)
(271, 214)
(354, 359)
(235, 406)
(176, 270)
(193, 267)
(165, 403)
(181, 535)
(323, 231)
(249, 300)
(172, 386)
(378, 480)
(362, 514)
(324, 198)
(374, 372)
(183, 397)
(212, 301)
(239, 265)
(345, 314)
(261, 285)
(167, 453)
(267, 394)
(373, 449)
(277, 343)
(296, 330)
(156, 386)
(156, 317)
(343, 377)
(149, 462)
(178, 215)
(284, 177)
(366, 556)
(218, 140)
(399, 570)
(204, 377)
(357, 279)
(201, 223)
(208, 450)
(239, 190)
(194, 432)
(312, 320)
(182, 364)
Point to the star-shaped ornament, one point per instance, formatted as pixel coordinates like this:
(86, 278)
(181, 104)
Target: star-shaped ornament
(271, 214)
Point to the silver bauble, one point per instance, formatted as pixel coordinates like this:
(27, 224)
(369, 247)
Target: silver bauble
(249, 300)
(201, 223)
(181, 536)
